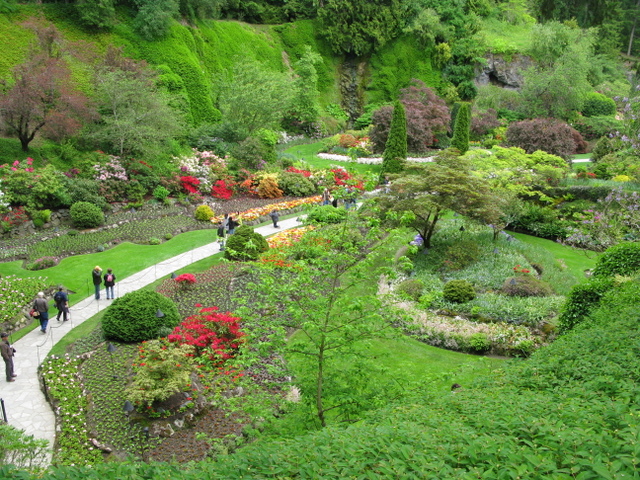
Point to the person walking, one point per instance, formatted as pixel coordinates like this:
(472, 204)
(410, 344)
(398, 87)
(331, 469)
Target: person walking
(222, 235)
(62, 304)
(326, 196)
(275, 216)
(7, 352)
(96, 274)
(41, 305)
(232, 224)
(109, 282)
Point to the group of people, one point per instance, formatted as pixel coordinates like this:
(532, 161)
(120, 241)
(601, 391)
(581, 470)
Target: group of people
(109, 281)
(349, 198)
(228, 227)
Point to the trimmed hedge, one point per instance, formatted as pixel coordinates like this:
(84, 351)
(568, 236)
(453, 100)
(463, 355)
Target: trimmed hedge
(245, 245)
(134, 317)
(86, 215)
(621, 259)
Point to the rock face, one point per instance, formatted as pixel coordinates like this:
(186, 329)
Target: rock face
(503, 73)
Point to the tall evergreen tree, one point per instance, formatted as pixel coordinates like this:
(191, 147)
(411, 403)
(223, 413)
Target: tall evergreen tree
(460, 138)
(395, 150)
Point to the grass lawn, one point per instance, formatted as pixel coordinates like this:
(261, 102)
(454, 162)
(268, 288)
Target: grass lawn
(576, 260)
(308, 153)
(125, 259)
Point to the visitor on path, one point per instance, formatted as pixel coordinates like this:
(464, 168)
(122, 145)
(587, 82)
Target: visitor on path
(62, 304)
(225, 222)
(7, 355)
(222, 236)
(349, 198)
(326, 197)
(232, 225)
(275, 216)
(334, 201)
(237, 218)
(109, 282)
(96, 273)
(41, 305)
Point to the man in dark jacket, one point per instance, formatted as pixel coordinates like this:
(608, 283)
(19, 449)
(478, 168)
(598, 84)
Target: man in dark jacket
(7, 352)
(62, 303)
(96, 274)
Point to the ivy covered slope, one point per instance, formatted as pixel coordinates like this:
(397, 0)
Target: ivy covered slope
(191, 58)
(567, 412)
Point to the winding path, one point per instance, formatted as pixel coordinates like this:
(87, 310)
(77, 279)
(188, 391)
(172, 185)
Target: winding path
(26, 406)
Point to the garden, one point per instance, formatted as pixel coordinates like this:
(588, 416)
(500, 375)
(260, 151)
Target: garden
(474, 317)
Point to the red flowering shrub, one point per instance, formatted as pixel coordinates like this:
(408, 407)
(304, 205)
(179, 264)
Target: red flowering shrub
(221, 190)
(214, 335)
(189, 183)
(186, 278)
(305, 173)
(347, 140)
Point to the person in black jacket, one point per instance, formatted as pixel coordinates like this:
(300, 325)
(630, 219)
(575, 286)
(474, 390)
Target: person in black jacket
(109, 282)
(96, 274)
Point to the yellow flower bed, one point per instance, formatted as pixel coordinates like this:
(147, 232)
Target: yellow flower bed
(256, 213)
(287, 238)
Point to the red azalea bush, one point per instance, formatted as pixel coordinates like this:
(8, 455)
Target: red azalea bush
(305, 173)
(186, 278)
(189, 183)
(213, 334)
(343, 178)
(222, 190)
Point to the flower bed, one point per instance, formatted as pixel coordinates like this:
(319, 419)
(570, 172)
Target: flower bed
(15, 294)
(288, 237)
(368, 160)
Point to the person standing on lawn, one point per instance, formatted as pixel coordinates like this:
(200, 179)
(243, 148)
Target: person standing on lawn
(42, 306)
(96, 274)
(109, 282)
(7, 352)
(62, 303)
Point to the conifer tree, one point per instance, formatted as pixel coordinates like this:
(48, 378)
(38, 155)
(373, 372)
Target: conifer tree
(395, 151)
(460, 138)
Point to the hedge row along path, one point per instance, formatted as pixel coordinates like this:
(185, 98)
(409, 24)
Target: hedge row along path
(26, 406)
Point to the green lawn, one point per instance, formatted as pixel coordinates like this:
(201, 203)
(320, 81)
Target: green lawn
(125, 259)
(308, 153)
(576, 260)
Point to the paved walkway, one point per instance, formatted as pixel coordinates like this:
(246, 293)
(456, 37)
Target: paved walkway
(25, 404)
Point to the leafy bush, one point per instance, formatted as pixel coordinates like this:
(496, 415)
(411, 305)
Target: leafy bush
(160, 193)
(622, 259)
(20, 449)
(581, 300)
(138, 316)
(458, 291)
(268, 187)
(548, 135)
(245, 245)
(479, 342)
(295, 184)
(203, 213)
(325, 214)
(412, 288)
(426, 115)
(40, 217)
(42, 263)
(86, 215)
(461, 254)
(597, 127)
(484, 123)
(526, 286)
(596, 104)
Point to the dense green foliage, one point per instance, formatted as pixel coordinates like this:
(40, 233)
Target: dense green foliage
(86, 215)
(245, 244)
(622, 259)
(140, 315)
(395, 151)
(458, 291)
(582, 299)
(325, 214)
(461, 128)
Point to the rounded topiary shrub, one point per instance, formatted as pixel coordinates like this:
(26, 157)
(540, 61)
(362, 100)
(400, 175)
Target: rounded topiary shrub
(597, 104)
(458, 291)
(526, 286)
(621, 259)
(86, 215)
(295, 184)
(140, 315)
(245, 244)
(581, 300)
(203, 213)
(411, 288)
(326, 214)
